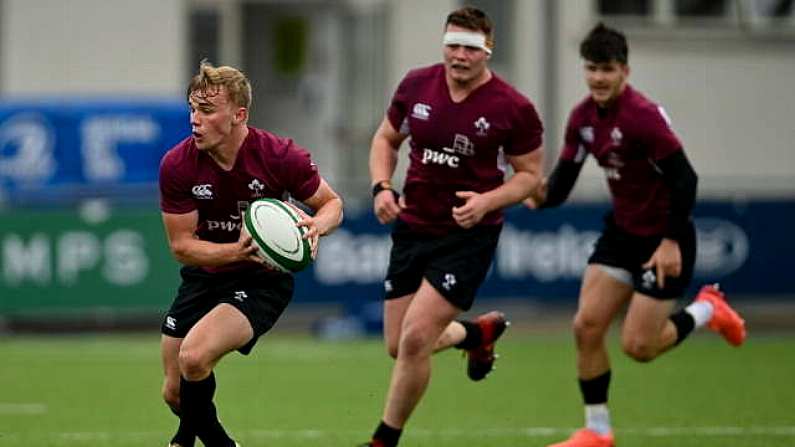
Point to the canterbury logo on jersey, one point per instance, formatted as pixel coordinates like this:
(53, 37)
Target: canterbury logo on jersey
(421, 111)
(202, 191)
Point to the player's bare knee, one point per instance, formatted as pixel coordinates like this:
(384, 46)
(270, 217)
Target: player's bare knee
(413, 343)
(193, 364)
(639, 350)
(588, 331)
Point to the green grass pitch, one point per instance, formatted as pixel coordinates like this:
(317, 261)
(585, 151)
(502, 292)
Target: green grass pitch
(99, 390)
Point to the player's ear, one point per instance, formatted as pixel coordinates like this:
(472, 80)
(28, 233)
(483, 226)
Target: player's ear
(241, 116)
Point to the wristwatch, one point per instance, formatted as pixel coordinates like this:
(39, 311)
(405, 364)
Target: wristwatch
(380, 186)
(384, 185)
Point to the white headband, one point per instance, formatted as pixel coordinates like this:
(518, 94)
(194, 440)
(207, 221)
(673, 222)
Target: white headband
(467, 39)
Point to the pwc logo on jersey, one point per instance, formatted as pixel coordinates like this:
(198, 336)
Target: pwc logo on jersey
(449, 156)
(421, 111)
(225, 225)
(202, 192)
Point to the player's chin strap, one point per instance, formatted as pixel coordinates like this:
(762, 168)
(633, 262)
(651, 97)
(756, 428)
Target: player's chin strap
(467, 39)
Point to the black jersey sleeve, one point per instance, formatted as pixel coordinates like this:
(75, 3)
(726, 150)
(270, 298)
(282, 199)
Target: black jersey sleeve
(561, 182)
(680, 177)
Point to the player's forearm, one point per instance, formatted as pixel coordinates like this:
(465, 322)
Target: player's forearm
(205, 254)
(512, 191)
(383, 159)
(329, 216)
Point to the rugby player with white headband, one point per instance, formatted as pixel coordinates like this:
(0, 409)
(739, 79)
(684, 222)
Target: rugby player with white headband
(467, 39)
(461, 118)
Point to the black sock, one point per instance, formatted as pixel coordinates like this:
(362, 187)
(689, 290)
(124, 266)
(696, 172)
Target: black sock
(184, 436)
(388, 435)
(198, 411)
(594, 391)
(473, 335)
(684, 322)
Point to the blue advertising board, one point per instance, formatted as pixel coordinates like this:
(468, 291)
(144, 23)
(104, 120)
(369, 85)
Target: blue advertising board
(119, 260)
(541, 255)
(64, 150)
(56, 149)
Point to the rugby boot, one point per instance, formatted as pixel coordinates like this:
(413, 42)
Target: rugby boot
(586, 438)
(480, 361)
(373, 443)
(725, 320)
(176, 444)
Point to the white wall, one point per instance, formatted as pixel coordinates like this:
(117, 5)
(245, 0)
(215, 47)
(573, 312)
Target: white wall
(732, 104)
(415, 39)
(730, 97)
(528, 51)
(115, 47)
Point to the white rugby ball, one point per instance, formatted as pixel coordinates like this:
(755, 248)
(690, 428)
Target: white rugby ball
(271, 224)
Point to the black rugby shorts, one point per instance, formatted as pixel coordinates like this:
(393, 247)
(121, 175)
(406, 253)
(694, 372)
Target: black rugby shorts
(455, 264)
(260, 295)
(617, 248)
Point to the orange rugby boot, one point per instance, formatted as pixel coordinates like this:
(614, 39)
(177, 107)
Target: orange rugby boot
(587, 438)
(725, 320)
(481, 359)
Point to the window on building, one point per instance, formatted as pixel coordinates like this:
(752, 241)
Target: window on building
(755, 15)
(624, 7)
(701, 8)
(773, 8)
(204, 38)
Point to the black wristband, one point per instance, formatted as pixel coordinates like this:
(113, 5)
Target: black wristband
(383, 186)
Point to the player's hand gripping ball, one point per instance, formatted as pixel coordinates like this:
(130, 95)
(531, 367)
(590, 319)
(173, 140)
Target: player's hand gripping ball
(280, 243)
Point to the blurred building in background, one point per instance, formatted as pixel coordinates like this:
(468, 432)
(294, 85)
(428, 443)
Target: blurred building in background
(92, 94)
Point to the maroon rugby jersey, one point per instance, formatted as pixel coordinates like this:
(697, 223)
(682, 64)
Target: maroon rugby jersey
(266, 166)
(455, 146)
(627, 139)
